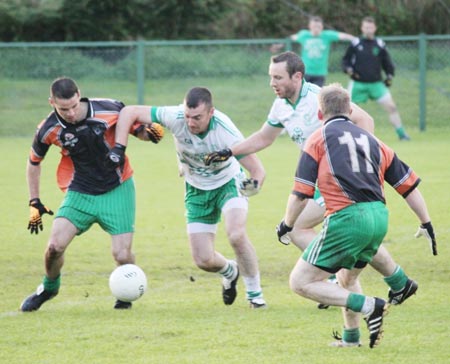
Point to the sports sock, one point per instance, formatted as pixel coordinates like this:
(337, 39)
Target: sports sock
(400, 132)
(227, 271)
(397, 280)
(351, 335)
(355, 302)
(51, 285)
(253, 287)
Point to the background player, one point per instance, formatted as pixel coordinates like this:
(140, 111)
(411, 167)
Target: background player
(198, 128)
(315, 48)
(364, 61)
(349, 166)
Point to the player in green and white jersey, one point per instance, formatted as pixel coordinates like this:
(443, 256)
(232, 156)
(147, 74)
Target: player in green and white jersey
(294, 110)
(211, 191)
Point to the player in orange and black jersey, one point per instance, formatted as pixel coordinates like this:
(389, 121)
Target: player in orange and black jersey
(97, 191)
(349, 166)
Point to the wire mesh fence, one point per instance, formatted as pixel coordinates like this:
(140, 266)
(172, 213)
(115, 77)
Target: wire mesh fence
(127, 70)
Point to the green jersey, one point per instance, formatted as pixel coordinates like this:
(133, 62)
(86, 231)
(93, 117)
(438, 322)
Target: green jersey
(315, 50)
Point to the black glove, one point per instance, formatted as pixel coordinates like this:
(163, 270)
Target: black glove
(427, 231)
(37, 209)
(116, 156)
(388, 81)
(249, 187)
(220, 156)
(282, 232)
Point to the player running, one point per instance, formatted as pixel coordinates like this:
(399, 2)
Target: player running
(295, 109)
(349, 166)
(198, 128)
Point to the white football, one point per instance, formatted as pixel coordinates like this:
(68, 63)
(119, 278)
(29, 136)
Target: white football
(128, 282)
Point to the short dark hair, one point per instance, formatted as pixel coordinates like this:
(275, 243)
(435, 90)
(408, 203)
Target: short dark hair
(63, 88)
(316, 18)
(368, 19)
(198, 95)
(294, 63)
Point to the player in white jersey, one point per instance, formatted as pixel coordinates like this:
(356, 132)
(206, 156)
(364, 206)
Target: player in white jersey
(211, 191)
(296, 110)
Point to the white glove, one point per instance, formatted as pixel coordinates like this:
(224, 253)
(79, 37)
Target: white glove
(249, 187)
(427, 231)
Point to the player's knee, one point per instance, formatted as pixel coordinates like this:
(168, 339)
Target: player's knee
(237, 237)
(296, 285)
(123, 256)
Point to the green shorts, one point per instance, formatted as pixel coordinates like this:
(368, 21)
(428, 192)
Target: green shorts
(362, 91)
(349, 237)
(114, 211)
(318, 198)
(205, 206)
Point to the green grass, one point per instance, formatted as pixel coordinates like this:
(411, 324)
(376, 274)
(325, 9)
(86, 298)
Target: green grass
(180, 321)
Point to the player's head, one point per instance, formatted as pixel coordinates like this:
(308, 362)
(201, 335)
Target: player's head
(334, 100)
(198, 109)
(286, 72)
(65, 99)
(368, 27)
(315, 25)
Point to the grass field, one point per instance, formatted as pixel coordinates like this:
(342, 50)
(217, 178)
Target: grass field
(183, 321)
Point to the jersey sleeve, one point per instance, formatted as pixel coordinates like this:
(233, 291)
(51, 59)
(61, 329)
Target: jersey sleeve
(398, 174)
(167, 116)
(308, 167)
(272, 118)
(330, 35)
(41, 143)
(386, 61)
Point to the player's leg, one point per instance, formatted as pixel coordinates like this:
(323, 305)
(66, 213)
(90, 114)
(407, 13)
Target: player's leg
(401, 287)
(384, 98)
(349, 279)
(235, 214)
(62, 233)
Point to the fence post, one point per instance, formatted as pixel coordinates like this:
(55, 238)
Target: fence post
(422, 80)
(140, 74)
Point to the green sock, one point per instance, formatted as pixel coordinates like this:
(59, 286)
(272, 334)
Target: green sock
(397, 280)
(351, 335)
(52, 285)
(400, 132)
(355, 302)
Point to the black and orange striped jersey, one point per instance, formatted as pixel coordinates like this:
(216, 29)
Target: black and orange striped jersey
(349, 166)
(84, 147)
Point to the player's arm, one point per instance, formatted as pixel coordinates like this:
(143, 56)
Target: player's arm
(254, 143)
(346, 36)
(37, 208)
(253, 184)
(418, 205)
(362, 118)
(127, 117)
(294, 207)
(257, 141)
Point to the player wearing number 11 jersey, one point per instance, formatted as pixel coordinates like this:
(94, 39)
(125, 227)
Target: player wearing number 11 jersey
(350, 166)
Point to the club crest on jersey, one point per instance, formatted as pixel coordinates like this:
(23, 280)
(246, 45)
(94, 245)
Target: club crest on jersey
(298, 136)
(70, 140)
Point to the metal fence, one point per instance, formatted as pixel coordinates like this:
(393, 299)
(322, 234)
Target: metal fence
(421, 59)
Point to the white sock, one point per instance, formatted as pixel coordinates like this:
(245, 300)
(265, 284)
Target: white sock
(368, 306)
(228, 271)
(253, 286)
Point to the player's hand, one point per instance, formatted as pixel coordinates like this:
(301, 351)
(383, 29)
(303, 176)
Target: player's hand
(427, 231)
(220, 156)
(277, 47)
(37, 209)
(155, 132)
(249, 187)
(388, 81)
(116, 156)
(282, 231)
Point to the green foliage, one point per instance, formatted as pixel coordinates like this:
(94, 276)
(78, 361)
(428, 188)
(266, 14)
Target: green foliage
(86, 20)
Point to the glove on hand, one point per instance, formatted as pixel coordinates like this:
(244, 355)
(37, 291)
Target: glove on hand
(155, 132)
(220, 156)
(249, 187)
(37, 209)
(427, 231)
(282, 231)
(116, 156)
(388, 81)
